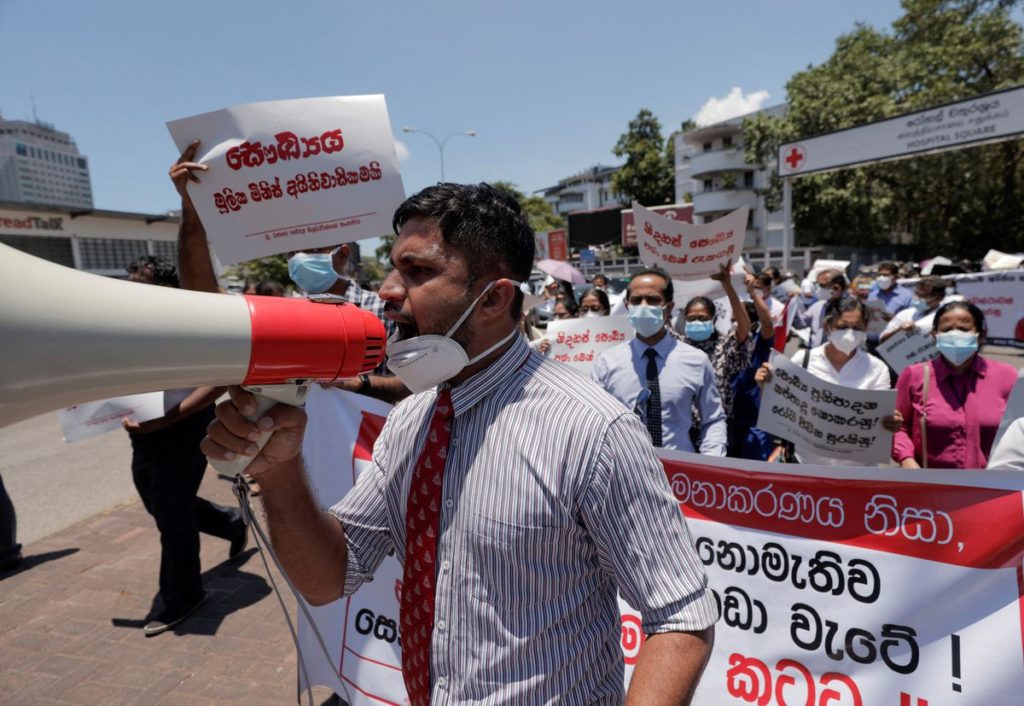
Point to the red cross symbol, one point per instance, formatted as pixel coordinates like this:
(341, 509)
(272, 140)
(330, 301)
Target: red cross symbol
(794, 158)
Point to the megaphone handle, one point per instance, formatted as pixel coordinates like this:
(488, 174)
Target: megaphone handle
(266, 397)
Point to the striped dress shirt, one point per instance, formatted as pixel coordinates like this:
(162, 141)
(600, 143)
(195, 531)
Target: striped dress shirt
(553, 500)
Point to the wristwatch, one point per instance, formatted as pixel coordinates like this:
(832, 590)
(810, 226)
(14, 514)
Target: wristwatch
(364, 383)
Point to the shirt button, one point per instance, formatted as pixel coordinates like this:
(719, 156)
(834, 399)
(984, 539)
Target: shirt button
(448, 503)
(440, 626)
(440, 682)
(445, 565)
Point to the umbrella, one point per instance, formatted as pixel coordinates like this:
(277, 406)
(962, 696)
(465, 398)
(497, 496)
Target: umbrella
(561, 270)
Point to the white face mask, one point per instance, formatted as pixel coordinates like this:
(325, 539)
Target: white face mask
(591, 315)
(883, 282)
(847, 340)
(423, 362)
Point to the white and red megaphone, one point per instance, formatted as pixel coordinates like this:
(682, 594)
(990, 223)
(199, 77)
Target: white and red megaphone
(68, 337)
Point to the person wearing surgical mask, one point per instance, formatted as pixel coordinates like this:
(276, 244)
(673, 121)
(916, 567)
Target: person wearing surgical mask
(320, 271)
(952, 406)
(929, 294)
(830, 285)
(728, 352)
(659, 376)
(594, 302)
(842, 360)
(894, 297)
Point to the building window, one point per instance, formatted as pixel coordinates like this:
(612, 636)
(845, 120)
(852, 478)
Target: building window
(167, 249)
(727, 141)
(21, 150)
(81, 163)
(748, 179)
(707, 185)
(110, 253)
(707, 146)
(53, 249)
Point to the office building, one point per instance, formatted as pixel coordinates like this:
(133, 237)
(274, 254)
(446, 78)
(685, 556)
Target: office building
(42, 165)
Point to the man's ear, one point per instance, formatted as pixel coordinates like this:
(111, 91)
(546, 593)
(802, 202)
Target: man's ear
(498, 300)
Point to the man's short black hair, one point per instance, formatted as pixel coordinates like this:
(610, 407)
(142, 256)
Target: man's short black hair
(934, 286)
(888, 267)
(484, 223)
(668, 292)
(164, 272)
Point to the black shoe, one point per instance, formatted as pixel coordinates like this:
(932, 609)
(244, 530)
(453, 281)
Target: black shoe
(11, 564)
(167, 620)
(239, 543)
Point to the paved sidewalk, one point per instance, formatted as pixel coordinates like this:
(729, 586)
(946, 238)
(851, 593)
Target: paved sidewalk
(71, 618)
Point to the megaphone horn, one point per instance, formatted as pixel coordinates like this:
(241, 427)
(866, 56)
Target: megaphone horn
(68, 337)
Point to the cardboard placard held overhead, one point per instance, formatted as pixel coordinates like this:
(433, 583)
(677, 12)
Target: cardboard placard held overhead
(687, 251)
(293, 174)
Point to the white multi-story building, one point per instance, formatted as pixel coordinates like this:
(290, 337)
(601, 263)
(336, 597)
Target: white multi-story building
(42, 165)
(711, 170)
(590, 189)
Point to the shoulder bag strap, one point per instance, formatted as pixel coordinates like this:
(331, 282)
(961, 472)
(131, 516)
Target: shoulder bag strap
(924, 413)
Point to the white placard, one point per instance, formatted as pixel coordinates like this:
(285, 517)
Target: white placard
(986, 118)
(579, 342)
(905, 348)
(1000, 296)
(916, 568)
(687, 251)
(826, 419)
(93, 418)
(293, 174)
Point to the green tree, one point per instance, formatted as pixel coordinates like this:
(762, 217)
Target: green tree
(647, 174)
(960, 202)
(542, 216)
(273, 268)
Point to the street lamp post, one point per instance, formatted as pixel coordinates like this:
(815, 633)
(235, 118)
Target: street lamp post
(441, 143)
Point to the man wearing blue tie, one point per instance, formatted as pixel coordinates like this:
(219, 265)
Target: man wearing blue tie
(660, 376)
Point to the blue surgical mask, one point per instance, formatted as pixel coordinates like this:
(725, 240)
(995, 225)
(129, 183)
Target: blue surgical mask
(699, 330)
(920, 304)
(313, 272)
(646, 319)
(956, 346)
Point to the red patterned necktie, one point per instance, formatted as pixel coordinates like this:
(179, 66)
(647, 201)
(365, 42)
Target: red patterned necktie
(421, 527)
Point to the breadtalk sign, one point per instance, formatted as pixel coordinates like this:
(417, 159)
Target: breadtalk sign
(992, 117)
(31, 223)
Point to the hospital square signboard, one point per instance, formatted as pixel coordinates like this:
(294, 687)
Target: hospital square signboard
(992, 117)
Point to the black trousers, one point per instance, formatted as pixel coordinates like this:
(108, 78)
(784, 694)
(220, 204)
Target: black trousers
(167, 467)
(9, 546)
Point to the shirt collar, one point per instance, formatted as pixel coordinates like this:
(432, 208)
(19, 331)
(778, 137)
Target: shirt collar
(943, 369)
(666, 344)
(470, 391)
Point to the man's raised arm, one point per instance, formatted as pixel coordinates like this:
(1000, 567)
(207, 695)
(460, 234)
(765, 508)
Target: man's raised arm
(195, 268)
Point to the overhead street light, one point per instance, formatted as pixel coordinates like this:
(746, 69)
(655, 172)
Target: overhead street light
(441, 143)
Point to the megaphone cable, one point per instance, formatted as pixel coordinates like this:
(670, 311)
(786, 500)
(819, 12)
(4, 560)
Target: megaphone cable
(242, 493)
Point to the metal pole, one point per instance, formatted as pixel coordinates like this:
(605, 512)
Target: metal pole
(787, 222)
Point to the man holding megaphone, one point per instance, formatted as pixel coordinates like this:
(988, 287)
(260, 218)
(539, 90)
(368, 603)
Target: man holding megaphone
(517, 494)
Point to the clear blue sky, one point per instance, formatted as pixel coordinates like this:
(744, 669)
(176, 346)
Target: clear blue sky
(548, 86)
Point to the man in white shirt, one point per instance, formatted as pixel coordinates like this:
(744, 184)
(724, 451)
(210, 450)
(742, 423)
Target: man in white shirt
(928, 295)
(829, 287)
(661, 377)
